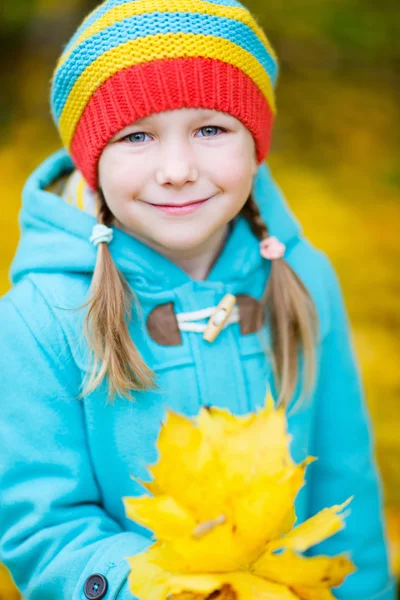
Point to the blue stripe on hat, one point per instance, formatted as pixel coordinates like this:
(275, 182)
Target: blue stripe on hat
(107, 6)
(150, 24)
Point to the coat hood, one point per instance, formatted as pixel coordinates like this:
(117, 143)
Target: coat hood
(55, 235)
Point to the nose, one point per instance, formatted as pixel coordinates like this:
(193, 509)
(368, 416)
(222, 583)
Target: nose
(177, 164)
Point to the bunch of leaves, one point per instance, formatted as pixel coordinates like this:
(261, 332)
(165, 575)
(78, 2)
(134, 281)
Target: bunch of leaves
(222, 512)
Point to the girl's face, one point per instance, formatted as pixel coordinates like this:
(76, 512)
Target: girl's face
(154, 167)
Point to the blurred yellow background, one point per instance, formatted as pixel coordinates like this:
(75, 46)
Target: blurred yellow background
(336, 155)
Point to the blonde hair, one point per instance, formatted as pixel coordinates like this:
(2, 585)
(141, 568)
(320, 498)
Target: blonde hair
(113, 352)
(286, 303)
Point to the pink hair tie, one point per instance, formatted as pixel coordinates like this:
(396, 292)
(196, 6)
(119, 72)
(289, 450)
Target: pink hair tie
(272, 248)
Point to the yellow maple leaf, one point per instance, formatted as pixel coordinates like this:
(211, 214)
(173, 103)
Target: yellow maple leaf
(222, 512)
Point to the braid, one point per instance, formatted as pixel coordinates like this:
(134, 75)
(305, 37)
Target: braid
(251, 211)
(104, 215)
(291, 313)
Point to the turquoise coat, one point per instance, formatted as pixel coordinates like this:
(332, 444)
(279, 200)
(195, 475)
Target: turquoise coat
(65, 464)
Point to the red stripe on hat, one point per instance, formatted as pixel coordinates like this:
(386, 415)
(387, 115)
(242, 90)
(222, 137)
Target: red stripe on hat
(168, 84)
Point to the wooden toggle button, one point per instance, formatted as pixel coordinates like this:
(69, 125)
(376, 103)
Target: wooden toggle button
(219, 317)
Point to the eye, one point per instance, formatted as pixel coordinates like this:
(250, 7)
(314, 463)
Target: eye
(210, 129)
(136, 137)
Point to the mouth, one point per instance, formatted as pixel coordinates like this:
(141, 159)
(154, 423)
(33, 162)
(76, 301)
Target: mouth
(180, 209)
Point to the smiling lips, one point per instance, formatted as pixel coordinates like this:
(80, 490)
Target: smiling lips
(174, 209)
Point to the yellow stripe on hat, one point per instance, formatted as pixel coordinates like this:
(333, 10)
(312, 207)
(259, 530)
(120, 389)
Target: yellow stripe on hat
(173, 45)
(80, 193)
(140, 7)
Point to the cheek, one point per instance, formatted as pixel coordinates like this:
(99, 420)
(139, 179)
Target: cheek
(236, 176)
(236, 165)
(120, 178)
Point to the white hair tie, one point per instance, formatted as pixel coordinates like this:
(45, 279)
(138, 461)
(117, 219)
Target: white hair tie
(101, 233)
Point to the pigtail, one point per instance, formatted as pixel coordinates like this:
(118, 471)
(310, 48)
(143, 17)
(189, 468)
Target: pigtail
(114, 355)
(293, 318)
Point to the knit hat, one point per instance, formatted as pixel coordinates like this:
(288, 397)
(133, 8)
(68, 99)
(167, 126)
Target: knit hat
(132, 58)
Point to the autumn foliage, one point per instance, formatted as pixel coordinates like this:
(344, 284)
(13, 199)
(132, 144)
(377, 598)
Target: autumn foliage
(221, 507)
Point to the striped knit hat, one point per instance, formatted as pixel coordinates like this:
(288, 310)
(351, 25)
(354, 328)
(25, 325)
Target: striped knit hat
(132, 58)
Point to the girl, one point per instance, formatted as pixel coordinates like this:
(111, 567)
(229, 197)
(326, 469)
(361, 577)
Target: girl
(160, 267)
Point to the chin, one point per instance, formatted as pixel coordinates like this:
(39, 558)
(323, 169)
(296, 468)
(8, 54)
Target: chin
(183, 241)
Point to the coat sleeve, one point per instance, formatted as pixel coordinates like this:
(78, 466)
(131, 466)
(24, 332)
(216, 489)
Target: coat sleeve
(343, 444)
(54, 531)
